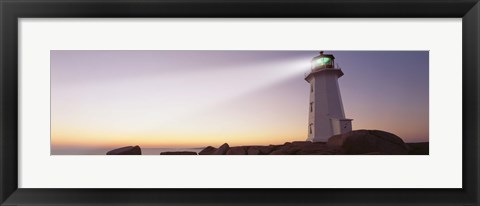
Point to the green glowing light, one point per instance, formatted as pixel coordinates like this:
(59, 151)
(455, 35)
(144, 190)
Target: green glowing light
(323, 61)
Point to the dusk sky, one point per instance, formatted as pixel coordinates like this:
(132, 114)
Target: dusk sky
(201, 98)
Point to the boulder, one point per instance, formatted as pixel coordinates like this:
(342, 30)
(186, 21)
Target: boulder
(261, 150)
(306, 148)
(421, 148)
(266, 149)
(373, 153)
(369, 141)
(318, 149)
(129, 150)
(237, 151)
(293, 150)
(222, 149)
(253, 151)
(302, 143)
(286, 151)
(178, 153)
(208, 150)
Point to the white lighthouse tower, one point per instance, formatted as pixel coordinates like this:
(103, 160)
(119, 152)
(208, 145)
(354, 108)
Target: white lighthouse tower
(326, 114)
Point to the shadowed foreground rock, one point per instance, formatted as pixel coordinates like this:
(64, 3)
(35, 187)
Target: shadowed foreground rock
(421, 148)
(253, 151)
(237, 151)
(208, 150)
(178, 153)
(130, 150)
(222, 150)
(289, 148)
(369, 142)
(358, 142)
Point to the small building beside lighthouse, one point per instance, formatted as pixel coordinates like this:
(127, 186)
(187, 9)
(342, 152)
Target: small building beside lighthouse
(326, 113)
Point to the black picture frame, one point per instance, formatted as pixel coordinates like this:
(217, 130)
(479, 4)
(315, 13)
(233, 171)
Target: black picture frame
(11, 10)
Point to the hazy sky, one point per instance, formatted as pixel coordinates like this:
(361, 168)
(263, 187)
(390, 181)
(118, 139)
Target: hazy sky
(201, 98)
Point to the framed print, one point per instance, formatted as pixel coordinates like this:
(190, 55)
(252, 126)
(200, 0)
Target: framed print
(227, 102)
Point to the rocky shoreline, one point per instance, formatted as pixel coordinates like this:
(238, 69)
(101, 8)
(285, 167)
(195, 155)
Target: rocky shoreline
(358, 142)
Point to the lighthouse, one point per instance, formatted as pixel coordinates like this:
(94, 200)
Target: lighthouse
(326, 114)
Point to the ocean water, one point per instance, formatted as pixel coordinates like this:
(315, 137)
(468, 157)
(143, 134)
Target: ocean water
(103, 151)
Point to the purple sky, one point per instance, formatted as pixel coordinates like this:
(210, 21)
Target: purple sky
(199, 98)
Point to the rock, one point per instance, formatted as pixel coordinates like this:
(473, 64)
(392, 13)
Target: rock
(302, 143)
(222, 149)
(178, 153)
(373, 153)
(237, 151)
(293, 150)
(264, 150)
(306, 148)
(318, 149)
(130, 150)
(208, 150)
(368, 141)
(279, 152)
(284, 152)
(260, 150)
(319, 152)
(253, 151)
(421, 148)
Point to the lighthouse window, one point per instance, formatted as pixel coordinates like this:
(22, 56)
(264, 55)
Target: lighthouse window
(311, 88)
(310, 128)
(311, 106)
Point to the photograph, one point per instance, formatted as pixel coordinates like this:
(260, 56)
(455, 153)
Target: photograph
(239, 102)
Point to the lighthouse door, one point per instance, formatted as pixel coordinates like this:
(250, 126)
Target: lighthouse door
(345, 125)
